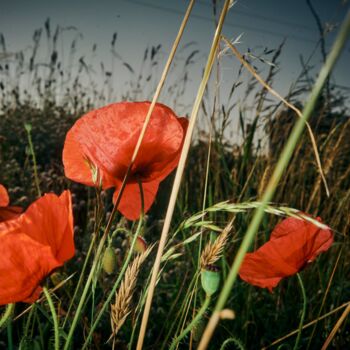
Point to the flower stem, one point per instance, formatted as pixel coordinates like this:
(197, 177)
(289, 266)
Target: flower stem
(301, 323)
(7, 314)
(54, 317)
(28, 129)
(81, 277)
(192, 324)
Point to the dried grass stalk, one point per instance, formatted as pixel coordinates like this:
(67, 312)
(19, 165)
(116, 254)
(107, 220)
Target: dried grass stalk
(213, 250)
(121, 309)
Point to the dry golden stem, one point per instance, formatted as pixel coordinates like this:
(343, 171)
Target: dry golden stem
(288, 104)
(307, 325)
(213, 250)
(336, 328)
(179, 173)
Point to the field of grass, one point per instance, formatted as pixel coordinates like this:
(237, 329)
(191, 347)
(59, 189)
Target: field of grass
(97, 299)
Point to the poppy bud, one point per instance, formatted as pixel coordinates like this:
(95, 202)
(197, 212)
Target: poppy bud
(140, 245)
(109, 260)
(28, 127)
(210, 278)
(56, 278)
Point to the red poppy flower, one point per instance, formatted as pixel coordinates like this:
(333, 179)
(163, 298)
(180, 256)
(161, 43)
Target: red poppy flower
(34, 244)
(105, 139)
(293, 244)
(7, 212)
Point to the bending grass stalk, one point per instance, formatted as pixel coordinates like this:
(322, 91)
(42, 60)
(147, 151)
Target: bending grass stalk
(275, 178)
(54, 318)
(233, 340)
(296, 345)
(192, 324)
(179, 173)
(289, 105)
(28, 129)
(7, 314)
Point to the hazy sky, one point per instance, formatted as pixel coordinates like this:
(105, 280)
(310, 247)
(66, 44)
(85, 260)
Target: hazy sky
(140, 23)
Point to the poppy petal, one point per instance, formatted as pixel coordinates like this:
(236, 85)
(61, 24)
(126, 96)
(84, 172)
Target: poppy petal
(130, 204)
(266, 266)
(293, 243)
(24, 263)
(4, 197)
(108, 136)
(49, 221)
(8, 213)
(78, 163)
(315, 239)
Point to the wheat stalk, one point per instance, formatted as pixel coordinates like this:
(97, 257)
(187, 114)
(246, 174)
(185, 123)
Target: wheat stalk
(121, 308)
(213, 250)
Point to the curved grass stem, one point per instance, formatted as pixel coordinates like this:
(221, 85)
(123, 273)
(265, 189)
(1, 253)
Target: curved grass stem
(302, 318)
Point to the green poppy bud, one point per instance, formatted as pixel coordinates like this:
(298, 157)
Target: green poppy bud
(210, 278)
(109, 260)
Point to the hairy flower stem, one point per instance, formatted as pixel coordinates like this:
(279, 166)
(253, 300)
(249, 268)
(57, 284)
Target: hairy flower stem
(192, 324)
(7, 314)
(281, 165)
(81, 277)
(28, 129)
(54, 318)
(296, 345)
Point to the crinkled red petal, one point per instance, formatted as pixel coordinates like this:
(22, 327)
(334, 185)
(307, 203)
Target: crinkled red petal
(292, 245)
(130, 204)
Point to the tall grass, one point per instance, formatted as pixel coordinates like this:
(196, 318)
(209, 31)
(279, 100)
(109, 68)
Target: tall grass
(222, 183)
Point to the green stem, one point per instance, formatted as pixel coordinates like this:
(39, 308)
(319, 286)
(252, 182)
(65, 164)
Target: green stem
(9, 336)
(28, 128)
(81, 277)
(275, 178)
(7, 314)
(116, 284)
(121, 274)
(93, 269)
(54, 317)
(192, 323)
(301, 323)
